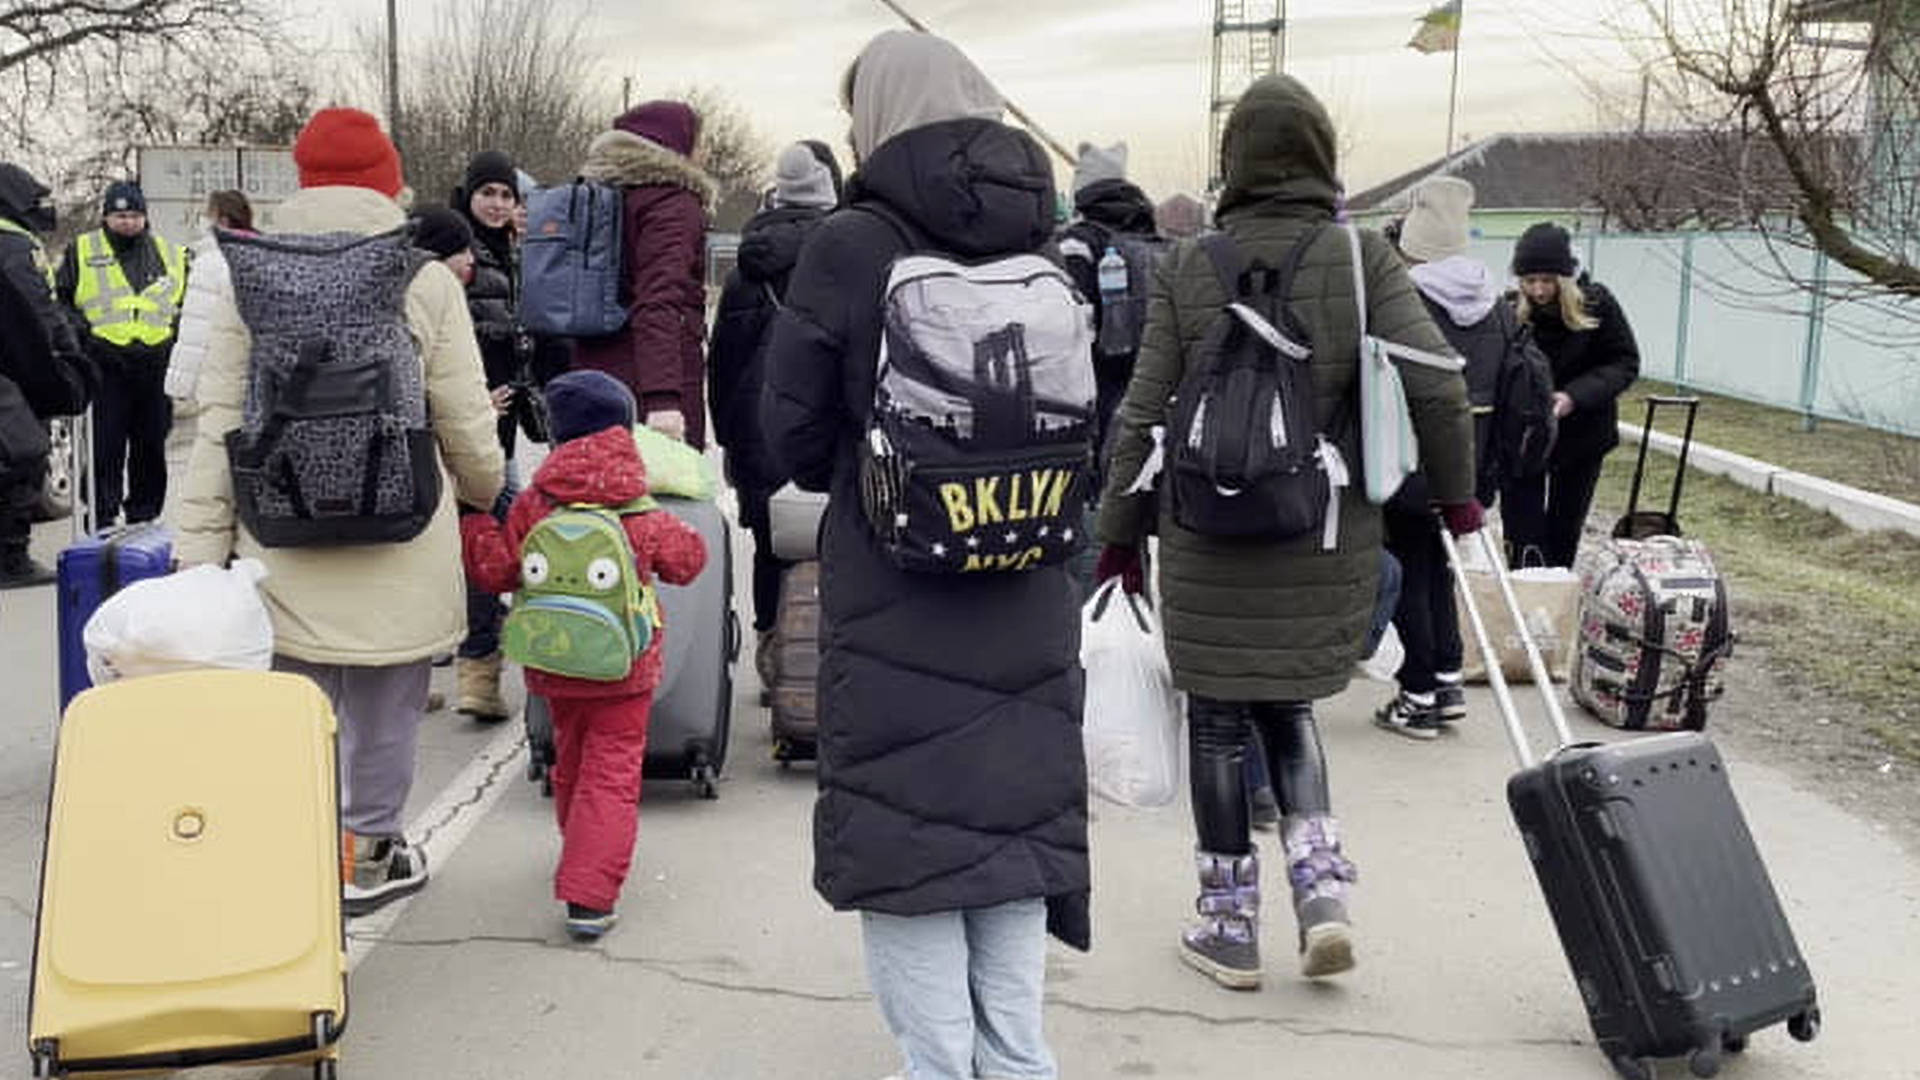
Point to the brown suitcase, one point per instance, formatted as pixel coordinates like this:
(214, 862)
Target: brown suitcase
(796, 644)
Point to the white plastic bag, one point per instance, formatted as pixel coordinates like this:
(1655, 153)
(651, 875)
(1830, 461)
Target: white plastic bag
(1384, 664)
(205, 617)
(794, 521)
(1132, 728)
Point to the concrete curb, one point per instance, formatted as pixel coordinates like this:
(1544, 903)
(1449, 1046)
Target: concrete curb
(1862, 510)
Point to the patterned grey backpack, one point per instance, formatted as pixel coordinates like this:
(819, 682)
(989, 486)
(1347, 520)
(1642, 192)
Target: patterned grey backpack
(333, 446)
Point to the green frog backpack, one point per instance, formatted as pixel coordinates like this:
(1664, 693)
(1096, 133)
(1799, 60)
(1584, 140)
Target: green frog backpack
(581, 609)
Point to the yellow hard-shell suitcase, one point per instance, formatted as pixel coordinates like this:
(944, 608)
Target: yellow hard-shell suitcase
(190, 894)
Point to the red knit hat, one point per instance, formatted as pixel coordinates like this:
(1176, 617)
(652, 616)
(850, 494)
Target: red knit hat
(346, 148)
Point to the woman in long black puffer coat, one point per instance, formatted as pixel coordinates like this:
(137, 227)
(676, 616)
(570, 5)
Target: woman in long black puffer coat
(952, 811)
(1583, 331)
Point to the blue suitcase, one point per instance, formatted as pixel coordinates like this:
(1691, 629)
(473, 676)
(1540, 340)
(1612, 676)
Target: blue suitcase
(92, 570)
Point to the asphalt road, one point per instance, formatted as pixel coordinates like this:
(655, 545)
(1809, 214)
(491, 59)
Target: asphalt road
(727, 965)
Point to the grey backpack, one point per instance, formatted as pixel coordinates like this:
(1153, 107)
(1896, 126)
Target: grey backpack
(333, 446)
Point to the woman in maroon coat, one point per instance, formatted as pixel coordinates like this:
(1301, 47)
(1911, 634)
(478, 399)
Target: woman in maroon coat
(648, 154)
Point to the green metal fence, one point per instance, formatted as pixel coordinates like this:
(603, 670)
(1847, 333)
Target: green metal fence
(1723, 312)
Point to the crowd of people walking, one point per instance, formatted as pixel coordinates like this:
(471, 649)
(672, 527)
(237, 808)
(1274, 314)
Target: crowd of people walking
(952, 810)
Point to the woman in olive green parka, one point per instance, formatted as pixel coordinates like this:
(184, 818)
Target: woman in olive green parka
(1256, 631)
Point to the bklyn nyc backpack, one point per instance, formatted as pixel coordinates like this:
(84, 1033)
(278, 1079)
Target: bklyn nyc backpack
(581, 610)
(979, 451)
(333, 446)
(570, 264)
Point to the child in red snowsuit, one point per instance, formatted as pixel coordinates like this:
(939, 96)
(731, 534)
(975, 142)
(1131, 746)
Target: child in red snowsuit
(600, 728)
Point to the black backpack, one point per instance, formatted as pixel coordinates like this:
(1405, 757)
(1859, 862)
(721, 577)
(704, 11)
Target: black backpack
(1123, 318)
(1524, 427)
(1247, 459)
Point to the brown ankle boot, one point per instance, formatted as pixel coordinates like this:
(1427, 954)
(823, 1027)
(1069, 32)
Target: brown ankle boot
(478, 694)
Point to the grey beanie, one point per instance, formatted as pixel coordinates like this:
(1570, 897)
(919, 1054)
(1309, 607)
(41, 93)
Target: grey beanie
(1099, 163)
(1436, 223)
(801, 180)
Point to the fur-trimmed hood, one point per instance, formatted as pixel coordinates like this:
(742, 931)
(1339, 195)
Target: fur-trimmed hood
(619, 157)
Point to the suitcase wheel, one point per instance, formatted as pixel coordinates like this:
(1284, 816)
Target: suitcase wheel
(1806, 1026)
(324, 1033)
(1734, 1044)
(1705, 1062)
(1631, 1068)
(46, 1055)
(706, 781)
(546, 785)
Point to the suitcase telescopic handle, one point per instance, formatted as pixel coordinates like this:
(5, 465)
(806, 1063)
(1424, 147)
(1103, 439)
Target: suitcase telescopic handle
(1490, 657)
(1654, 401)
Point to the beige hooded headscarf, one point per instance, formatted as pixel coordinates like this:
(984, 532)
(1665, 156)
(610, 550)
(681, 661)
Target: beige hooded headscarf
(905, 80)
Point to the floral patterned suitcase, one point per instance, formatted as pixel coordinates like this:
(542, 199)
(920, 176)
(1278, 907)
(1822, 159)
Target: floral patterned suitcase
(1654, 635)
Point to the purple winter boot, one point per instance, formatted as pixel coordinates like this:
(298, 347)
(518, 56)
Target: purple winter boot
(1224, 944)
(1320, 875)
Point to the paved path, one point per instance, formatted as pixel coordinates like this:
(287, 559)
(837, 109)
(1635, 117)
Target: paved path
(728, 966)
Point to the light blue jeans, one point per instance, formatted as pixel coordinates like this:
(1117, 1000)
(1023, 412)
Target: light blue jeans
(962, 991)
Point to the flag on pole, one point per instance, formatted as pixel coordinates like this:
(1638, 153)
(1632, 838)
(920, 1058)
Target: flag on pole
(1439, 29)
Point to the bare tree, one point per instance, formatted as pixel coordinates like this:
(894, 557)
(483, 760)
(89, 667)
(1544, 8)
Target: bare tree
(64, 54)
(259, 98)
(1804, 111)
(730, 149)
(510, 75)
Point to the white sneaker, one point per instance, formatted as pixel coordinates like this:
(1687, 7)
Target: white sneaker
(384, 870)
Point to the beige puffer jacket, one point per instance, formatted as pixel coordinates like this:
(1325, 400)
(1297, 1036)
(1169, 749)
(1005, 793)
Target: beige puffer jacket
(368, 605)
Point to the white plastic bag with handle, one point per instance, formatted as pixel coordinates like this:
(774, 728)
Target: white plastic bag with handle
(1132, 728)
(205, 617)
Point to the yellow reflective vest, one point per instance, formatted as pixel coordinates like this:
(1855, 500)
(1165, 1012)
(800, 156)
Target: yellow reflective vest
(119, 315)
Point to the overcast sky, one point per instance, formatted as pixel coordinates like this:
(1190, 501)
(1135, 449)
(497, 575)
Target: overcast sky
(1122, 69)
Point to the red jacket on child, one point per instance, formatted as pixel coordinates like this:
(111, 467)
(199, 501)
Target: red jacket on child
(602, 469)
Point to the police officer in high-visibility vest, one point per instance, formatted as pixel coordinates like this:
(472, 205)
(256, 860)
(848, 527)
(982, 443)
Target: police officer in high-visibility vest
(43, 373)
(127, 284)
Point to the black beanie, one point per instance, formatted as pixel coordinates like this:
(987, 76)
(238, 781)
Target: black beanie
(583, 402)
(123, 195)
(491, 167)
(1545, 248)
(442, 232)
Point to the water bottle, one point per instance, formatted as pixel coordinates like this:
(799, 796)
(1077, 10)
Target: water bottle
(1113, 276)
(1117, 334)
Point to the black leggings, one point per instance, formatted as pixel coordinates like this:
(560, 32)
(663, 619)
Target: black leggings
(1218, 734)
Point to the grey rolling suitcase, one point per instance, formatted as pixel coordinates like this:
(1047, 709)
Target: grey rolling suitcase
(1676, 938)
(693, 708)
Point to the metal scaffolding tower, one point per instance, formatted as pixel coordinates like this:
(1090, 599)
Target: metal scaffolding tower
(1249, 40)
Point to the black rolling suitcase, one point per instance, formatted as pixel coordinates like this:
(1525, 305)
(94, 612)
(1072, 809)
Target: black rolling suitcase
(1676, 938)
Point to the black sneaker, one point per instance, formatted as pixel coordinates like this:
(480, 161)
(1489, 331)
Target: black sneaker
(19, 571)
(383, 870)
(1449, 702)
(589, 924)
(1404, 716)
